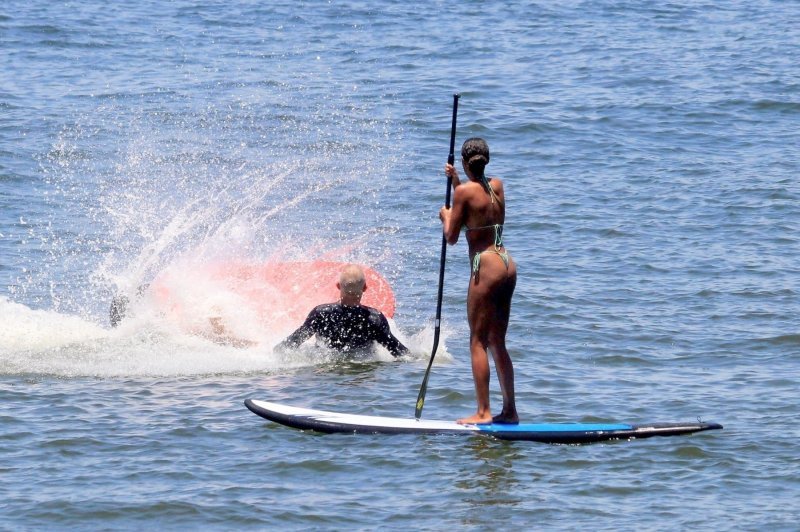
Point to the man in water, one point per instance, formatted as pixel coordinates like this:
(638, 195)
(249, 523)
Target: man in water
(347, 324)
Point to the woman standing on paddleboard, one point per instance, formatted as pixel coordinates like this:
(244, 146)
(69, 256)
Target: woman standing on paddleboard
(479, 207)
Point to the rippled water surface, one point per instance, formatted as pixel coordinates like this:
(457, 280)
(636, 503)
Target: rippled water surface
(649, 152)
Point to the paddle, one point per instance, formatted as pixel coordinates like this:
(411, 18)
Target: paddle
(450, 160)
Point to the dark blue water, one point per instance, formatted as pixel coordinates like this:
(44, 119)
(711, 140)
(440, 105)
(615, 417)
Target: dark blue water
(649, 152)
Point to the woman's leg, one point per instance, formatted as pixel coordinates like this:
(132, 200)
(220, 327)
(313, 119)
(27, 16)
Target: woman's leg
(498, 326)
(477, 316)
(488, 309)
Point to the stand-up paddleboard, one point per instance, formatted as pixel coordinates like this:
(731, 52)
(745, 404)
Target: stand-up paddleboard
(334, 422)
(279, 295)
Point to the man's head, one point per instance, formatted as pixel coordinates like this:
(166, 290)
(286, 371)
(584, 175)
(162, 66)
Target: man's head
(352, 284)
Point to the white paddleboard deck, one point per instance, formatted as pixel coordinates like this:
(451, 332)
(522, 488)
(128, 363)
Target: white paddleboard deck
(335, 422)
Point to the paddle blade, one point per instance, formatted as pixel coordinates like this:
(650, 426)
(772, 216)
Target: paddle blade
(421, 396)
(424, 387)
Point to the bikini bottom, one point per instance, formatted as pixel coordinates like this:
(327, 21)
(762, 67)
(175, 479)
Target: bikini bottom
(476, 261)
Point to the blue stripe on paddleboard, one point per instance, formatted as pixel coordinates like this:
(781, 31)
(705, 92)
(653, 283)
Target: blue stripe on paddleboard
(554, 427)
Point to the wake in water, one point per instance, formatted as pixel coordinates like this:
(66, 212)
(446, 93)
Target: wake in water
(168, 196)
(42, 342)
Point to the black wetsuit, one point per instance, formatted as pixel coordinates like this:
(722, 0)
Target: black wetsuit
(345, 328)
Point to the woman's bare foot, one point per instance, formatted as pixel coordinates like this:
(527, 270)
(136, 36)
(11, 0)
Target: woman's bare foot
(475, 420)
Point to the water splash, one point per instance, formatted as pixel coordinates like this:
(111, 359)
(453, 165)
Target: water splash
(137, 188)
(143, 181)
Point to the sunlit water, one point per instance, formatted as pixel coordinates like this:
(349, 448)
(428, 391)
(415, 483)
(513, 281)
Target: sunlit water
(650, 158)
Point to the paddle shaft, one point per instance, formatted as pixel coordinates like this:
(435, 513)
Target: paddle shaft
(437, 324)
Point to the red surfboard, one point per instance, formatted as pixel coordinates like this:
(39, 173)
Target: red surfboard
(280, 294)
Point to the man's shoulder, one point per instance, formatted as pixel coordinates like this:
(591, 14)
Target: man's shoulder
(373, 314)
(326, 309)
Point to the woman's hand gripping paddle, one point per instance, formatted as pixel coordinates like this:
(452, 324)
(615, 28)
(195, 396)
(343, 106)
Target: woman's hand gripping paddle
(437, 328)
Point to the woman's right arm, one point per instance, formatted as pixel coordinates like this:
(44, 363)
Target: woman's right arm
(451, 172)
(453, 218)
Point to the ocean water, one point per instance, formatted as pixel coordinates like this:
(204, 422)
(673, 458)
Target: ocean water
(650, 157)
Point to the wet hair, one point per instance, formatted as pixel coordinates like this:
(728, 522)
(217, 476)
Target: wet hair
(352, 280)
(475, 153)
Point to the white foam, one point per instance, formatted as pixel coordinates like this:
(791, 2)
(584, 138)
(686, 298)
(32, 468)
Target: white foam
(51, 343)
(22, 328)
(46, 342)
